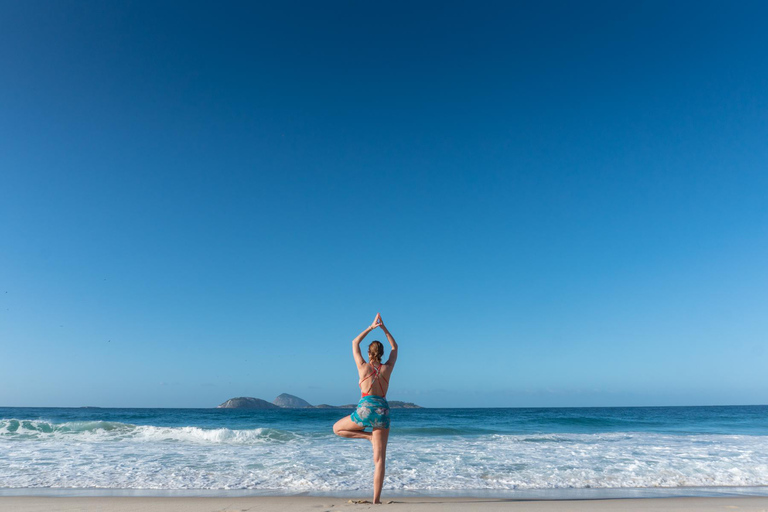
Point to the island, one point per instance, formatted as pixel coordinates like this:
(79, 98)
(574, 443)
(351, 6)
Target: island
(286, 401)
(247, 402)
(393, 404)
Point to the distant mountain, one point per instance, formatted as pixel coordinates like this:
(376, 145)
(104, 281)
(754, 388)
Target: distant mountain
(286, 401)
(291, 402)
(247, 402)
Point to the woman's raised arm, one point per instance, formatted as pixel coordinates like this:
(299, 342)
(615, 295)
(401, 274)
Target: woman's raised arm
(356, 342)
(392, 343)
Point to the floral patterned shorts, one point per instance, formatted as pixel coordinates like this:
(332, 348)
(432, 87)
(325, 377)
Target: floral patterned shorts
(372, 411)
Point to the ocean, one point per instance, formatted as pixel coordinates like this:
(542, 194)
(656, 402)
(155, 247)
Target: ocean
(617, 451)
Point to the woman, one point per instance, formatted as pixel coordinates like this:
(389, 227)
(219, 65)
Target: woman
(372, 410)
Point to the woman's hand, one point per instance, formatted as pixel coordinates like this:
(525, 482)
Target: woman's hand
(381, 323)
(377, 322)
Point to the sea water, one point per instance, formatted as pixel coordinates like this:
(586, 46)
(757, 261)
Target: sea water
(431, 451)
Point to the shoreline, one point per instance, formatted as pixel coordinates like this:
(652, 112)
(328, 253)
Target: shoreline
(426, 504)
(585, 494)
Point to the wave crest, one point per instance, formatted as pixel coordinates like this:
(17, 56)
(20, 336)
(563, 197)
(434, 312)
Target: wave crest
(110, 430)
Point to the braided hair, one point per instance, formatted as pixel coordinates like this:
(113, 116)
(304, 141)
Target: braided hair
(375, 351)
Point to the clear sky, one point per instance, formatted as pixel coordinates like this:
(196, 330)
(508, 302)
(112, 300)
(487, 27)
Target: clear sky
(550, 203)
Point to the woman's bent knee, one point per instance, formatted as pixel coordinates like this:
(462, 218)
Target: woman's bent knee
(344, 425)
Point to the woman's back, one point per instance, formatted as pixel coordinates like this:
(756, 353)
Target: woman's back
(374, 379)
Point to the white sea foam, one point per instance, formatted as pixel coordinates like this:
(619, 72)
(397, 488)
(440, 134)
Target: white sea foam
(122, 456)
(99, 431)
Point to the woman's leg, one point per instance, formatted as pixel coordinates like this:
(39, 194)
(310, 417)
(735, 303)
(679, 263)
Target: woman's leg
(379, 438)
(345, 427)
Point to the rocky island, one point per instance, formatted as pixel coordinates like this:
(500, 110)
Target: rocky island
(393, 404)
(286, 401)
(291, 402)
(247, 402)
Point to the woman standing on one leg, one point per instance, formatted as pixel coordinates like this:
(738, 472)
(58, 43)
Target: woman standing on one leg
(373, 409)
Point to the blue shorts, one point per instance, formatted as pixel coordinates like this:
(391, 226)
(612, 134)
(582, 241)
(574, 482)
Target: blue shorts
(372, 411)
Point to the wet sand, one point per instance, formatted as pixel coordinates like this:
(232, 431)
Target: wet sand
(319, 504)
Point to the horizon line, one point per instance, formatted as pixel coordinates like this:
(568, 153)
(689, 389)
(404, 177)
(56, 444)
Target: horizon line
(420, 407)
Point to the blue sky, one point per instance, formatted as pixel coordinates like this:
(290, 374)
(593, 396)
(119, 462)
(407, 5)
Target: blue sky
(551, 204)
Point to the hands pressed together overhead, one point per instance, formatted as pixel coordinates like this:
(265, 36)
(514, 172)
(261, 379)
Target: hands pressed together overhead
(377, 322)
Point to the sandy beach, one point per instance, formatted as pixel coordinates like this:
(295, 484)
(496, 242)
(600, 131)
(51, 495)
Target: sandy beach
(319, 504)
